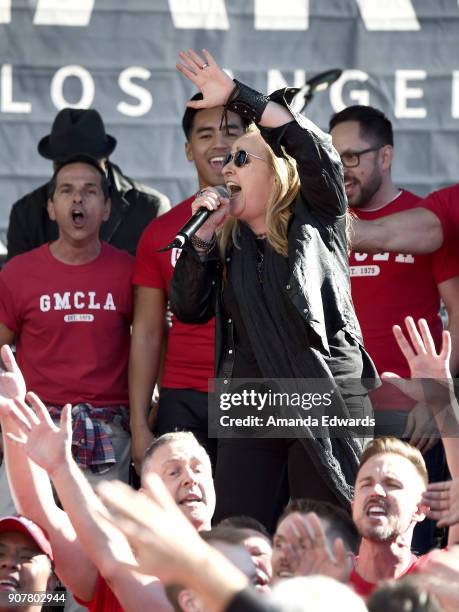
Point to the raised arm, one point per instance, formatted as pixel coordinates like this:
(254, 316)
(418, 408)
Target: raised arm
(432, 384)
(50, 447)
(319, 165)
(32, 492)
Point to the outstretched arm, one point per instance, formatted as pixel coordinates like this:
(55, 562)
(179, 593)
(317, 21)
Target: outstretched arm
(432, 384)
(412, 231)
(32, 492)
(49, 446)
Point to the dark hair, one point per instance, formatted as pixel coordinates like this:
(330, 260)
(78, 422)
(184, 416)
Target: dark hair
(75, 159)
(247, 523)
(340, 522)
(228, 535)
(405, 595)
(190, 114)
(374, 125)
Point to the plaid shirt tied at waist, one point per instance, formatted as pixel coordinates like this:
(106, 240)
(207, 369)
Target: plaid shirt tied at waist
(91, 443)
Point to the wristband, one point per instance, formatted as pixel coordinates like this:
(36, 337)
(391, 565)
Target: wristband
(202, 244)
(246, 102)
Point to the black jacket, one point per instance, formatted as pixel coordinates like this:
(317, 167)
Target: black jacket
(319, 285)
(134, 205)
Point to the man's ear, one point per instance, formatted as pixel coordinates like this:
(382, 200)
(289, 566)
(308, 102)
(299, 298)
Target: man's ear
(108, 207)
(188, 601)
(51, 212)
(421, 512)
(387, 155)
(188, 152)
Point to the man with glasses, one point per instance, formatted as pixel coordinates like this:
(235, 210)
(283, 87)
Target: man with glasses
(386, 287)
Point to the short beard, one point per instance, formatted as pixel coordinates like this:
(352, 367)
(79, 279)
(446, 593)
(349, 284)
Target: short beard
(388, 532)
(367, 191)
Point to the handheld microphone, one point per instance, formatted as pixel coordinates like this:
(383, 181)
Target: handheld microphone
(193, 224)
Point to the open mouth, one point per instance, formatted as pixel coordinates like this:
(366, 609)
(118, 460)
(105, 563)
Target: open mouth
(77, 217)
(191, 501)
(9, 584)
(284, 572)
(233, 189)
(261, 584)
(349, 185)
(217, 162)
(376, 510)
(261, 579)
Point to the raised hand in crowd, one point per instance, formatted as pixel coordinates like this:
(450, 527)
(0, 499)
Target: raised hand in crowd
(166, 543)
(421, 430)
(45, 443)
(443, 501)
(12, 384)
(421, 355)
(307, 550)
(430, 383)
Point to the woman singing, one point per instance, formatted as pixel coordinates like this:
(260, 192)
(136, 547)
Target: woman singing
(271, 264)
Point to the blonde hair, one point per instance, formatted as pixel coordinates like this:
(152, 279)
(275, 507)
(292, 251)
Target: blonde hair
(394, 446)
(279, 206)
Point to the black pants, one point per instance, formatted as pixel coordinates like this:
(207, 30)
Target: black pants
(257, 477)
(185, 410)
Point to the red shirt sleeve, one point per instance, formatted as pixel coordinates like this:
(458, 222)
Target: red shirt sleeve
(444, 203)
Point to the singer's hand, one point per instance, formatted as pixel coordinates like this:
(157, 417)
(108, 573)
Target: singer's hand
(210, 198)
(205, 73)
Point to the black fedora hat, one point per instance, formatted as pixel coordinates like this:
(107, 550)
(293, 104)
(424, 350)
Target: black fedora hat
(77, 131)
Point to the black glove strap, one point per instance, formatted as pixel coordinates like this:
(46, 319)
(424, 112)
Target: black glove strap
(246, 102)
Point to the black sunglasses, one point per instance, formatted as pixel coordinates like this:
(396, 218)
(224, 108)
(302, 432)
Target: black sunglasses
(240, 158)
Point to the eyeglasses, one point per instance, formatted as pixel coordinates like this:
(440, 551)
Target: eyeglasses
(351, 159)
(240, 158)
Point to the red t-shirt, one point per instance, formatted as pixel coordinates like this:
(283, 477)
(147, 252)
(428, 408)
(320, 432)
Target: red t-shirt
(190, 348)
(445, 204)
(365, 589)
(386, 287)
(72, 324)
(103, 600)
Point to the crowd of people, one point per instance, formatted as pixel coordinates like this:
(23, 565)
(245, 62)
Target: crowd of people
(307, 263)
